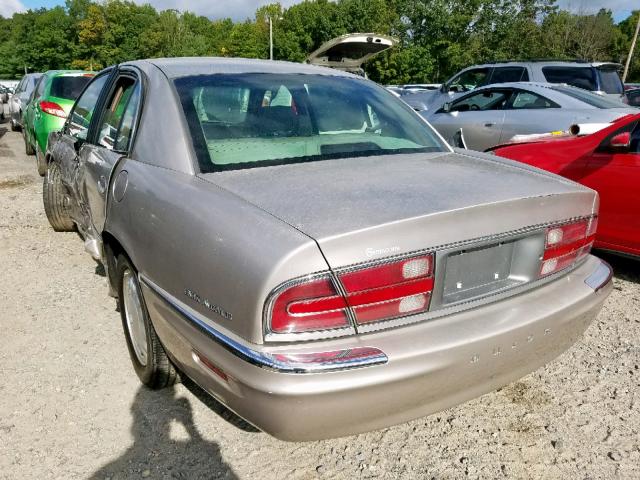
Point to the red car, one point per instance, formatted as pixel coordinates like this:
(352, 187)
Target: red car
(607, 161)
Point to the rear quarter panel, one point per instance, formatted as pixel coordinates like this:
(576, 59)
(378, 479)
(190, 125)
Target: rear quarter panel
(183, 233)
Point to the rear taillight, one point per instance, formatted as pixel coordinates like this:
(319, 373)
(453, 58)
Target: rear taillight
(567, 244)
(373, 293)
(309, 305)
(52, 108)
(391, 290)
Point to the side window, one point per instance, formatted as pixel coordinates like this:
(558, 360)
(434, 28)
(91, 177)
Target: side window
(116, 111)
(483, 101)
(19, 88)
(528, 100)
(82, 112)
(581, 77)
(123, 138)
(470, 80)
(509, 74)
(40, 87)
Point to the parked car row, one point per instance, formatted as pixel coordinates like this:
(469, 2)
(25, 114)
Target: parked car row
(308, 249)
(599, 77)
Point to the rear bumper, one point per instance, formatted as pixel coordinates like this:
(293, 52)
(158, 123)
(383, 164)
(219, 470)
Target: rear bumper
(431, 365)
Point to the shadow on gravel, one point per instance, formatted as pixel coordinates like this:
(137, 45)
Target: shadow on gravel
(3, 130)
(625, 268)
(156, 453)
(215, 406)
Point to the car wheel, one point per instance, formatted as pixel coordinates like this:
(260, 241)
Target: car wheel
(53, 194)
(28, 149)
(150, 361)
(14, 126)
(41, 164)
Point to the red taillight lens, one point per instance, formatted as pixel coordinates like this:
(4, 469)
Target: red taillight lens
(391, 290)
(374, 293)
(312, 305)
(52, 108)
(566, 244)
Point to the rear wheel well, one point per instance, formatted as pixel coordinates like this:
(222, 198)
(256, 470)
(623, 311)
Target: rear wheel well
(112, 248)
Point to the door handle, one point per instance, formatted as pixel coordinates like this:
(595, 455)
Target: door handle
(488, 124)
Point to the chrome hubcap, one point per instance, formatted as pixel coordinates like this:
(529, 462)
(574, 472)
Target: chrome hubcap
(135, 317)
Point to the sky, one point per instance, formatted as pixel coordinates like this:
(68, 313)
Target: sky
(242, 9)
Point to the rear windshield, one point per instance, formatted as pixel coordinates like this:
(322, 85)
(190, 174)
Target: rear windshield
(610, 81)
(68, 87)
(581, 77)
(250, 120)
(589, 98)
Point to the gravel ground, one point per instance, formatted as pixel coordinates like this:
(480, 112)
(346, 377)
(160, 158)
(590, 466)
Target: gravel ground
(71, 406)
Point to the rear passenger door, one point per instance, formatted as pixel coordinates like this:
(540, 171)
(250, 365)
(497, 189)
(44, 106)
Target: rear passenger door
(111, 141)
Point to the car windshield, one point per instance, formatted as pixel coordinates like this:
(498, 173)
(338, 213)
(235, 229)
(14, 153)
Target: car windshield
(610, 81)
(589, 98)
(68, 86)
(251, 120)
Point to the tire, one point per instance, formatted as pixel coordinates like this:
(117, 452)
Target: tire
(149, 359)
(41, 163)
(28, 148)
(53, 193)
(14, 126)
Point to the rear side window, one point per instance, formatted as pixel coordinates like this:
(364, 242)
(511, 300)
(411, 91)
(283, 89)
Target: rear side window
(509, 74)
(523, 100)
(589, 98)
(610, 81)
(581, 77)
(119, 114)
(68, 87)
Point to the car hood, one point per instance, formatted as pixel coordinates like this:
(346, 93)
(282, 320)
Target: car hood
(389, 204)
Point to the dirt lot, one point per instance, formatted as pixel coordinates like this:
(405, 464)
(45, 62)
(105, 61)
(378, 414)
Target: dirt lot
(71, 406)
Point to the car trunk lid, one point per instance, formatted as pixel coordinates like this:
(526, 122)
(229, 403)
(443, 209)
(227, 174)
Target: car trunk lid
(349, 52)
(360, 209)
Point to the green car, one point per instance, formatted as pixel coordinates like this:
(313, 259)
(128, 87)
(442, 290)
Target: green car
(48, 107)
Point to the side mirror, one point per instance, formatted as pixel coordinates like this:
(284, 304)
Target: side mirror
(621, 141)
(446, 108)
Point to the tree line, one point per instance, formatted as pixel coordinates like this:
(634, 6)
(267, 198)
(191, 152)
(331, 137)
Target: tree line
(437, 37)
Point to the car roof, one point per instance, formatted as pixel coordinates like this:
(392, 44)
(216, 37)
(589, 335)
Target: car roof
(186, 66)
(554, 63)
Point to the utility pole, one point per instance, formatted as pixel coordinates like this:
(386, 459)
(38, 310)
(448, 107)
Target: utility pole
(633, 45)
(271, 38)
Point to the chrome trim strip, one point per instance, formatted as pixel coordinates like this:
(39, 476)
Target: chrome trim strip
(600, 277)
(262, 359)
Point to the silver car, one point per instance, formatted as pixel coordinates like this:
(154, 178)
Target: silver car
(493, 115)
(309, 251)
(20, 98)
